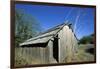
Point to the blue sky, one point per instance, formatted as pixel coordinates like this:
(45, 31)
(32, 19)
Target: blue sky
(50, 16)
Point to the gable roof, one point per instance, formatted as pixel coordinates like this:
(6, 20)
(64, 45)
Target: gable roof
(45, 36)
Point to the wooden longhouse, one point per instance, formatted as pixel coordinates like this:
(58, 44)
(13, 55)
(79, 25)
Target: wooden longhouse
(53, 46)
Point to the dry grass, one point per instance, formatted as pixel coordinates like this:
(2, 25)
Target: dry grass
(81, 56)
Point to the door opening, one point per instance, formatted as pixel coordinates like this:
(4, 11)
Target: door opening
(56, 48)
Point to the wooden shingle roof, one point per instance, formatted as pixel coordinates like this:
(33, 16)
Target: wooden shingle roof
(45, 36)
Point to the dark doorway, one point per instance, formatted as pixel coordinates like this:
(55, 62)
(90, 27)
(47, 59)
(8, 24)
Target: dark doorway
(55, 48)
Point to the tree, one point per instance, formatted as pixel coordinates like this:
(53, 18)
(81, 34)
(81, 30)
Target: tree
(26, 26)
(87, 39)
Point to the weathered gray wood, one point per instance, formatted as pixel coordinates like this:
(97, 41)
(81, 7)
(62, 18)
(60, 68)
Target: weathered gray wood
(40, 39)
(50, 52)
(62, 44)
(67, 45)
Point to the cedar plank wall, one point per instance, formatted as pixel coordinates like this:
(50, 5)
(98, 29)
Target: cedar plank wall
(44, 55)
(67, 43)
(35, 55)
(50, 52)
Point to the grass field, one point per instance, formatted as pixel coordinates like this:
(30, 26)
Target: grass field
(82, 55)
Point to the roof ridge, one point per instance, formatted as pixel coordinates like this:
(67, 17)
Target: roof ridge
(49, 30)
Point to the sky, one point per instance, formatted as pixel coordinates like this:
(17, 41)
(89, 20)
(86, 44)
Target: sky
(50, 16)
